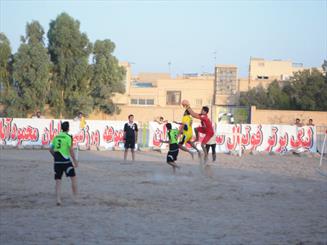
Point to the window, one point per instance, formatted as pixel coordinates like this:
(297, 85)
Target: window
(140, 101)
(150, 102)
(173, 97)
(134, 101)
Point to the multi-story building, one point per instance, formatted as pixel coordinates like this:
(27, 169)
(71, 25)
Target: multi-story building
(263, 72)
(226, 85)
(150, 95)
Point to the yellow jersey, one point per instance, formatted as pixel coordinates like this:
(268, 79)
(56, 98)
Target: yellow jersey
(187, 121)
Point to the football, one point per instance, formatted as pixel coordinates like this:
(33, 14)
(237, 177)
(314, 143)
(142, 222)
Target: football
(185, 103)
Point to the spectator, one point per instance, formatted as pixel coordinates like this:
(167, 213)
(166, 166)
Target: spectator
(38, 115)
(310, 123)
(161, 120)
(298, 122)
(81, 118)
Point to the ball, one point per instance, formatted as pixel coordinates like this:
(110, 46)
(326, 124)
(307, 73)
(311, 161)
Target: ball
(185, 103)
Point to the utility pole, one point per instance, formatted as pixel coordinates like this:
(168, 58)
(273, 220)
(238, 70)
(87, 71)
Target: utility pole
(169, 67)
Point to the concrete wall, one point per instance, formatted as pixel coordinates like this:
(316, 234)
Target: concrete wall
(259, 116)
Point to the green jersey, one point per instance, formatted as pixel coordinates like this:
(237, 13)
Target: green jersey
(62, 143)
(173, 136)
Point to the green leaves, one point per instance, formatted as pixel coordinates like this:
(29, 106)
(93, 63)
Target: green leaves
(31, 70)
(59, 75)
(307, 90)
(107, 77)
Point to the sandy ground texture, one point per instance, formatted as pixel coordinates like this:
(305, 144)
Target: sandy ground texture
(256, 199)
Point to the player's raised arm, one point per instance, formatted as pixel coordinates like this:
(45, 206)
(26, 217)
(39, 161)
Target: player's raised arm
(186, 105)
(193, 114)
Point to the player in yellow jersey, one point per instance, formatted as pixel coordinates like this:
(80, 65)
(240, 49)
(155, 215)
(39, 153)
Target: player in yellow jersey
(186, 125)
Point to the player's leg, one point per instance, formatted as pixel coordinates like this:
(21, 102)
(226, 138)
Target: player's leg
(133, 154)
(58, 190)
(207, 147)
(74, 185)
(195, 148)
(172, 157)
(205, 152)
(125, 154)
(203, 145)
(70, 172)
(213, 148)
(183, 142)
(59, 170)
(132, 145)
(196, 131)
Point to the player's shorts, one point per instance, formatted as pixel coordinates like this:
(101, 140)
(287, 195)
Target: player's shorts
(172, 153)
(207, 136)
(129, 144)
(62, 165)
(185, 139)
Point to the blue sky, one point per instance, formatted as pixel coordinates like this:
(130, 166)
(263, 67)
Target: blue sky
(150, 34)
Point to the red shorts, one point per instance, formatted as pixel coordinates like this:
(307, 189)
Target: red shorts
(207, 136)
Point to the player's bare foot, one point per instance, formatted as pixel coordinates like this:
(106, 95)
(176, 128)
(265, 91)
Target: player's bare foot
(75, 199)
(205, 158)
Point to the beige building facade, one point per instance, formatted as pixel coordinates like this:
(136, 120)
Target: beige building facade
(149, 96)
(263, 72)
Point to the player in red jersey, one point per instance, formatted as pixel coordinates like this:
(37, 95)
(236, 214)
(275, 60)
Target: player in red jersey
(205, 128)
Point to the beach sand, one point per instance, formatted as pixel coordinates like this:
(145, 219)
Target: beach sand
(255, 199)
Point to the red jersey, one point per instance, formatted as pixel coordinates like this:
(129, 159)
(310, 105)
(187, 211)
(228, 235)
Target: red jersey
(206, 123)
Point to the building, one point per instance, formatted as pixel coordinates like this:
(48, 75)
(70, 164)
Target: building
(150, 95)
(263, 72)
(226, 85)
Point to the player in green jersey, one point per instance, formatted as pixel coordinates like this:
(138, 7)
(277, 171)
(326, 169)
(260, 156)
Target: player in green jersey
(173, 146)
(61, 149)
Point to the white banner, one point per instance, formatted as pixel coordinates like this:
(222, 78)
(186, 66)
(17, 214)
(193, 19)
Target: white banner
(19, 131)
(263, 138)
(109, 134)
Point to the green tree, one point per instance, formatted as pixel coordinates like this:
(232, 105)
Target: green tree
(276, 97)
(306, 90)
(31, 70)
(107, 76)
(256, 96)
(8, 94)
(5, 61)
(69, 50)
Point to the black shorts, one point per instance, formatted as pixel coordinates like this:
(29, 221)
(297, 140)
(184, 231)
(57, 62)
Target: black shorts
(172, 153)
(213, 148)
(62, 165)
(130, 144)
(68, 168)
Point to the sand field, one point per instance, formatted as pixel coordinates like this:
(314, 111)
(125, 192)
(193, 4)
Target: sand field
(255, 199)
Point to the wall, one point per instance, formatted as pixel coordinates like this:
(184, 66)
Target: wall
(96, 135)
(259, 116)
